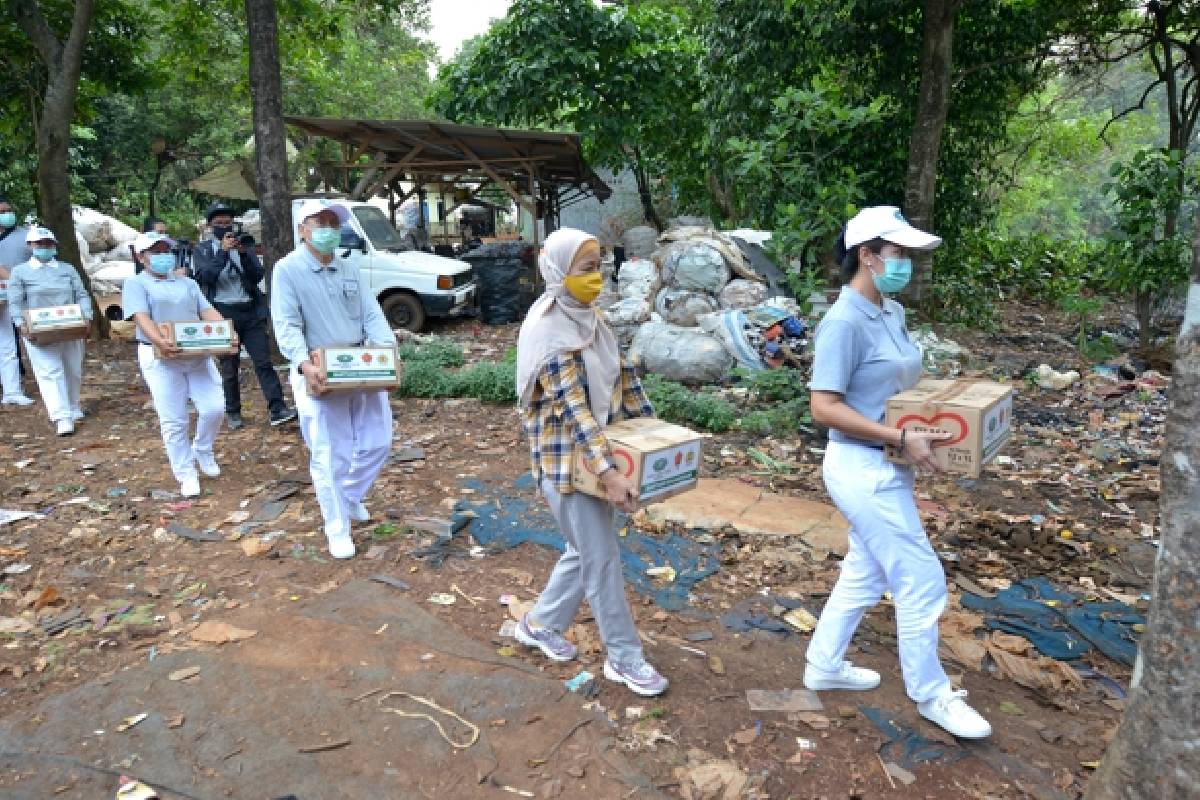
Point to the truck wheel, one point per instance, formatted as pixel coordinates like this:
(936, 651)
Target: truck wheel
(404, 311)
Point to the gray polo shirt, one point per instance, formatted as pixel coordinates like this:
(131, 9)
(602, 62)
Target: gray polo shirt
(315, 305)
(170, 299)
(37, 285)
(863, 352)
(13, 249)
(229, 287)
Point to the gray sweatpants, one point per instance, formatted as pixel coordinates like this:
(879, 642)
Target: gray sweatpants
(590, 568)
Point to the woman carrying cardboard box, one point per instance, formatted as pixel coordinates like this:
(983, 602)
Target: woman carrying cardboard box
(44, 282)
(572, 382)
(154, 296)
(863, 356)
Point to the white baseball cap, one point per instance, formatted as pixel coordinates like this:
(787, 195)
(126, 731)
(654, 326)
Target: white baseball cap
(310, 208)
(887, 223)
(37, 233)
(145, 241)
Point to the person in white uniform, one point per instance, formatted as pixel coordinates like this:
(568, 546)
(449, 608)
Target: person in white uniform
(13, 251)
(319, 300)
(156, 295)
(862, 356)
(41, 282)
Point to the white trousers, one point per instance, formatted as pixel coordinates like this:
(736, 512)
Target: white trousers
(58, 368)
(349, 438)
(172, 383)
(888, 551)
(10, 365)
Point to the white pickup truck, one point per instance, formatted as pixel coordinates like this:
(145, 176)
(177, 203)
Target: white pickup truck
(411, 285)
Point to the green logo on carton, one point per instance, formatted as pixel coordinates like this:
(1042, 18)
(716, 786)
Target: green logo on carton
(191, 330)
(345, 358)
(660, 464)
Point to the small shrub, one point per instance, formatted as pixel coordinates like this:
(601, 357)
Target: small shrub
(424, 379)
(676, 403)
(486, 381)
(441, 352)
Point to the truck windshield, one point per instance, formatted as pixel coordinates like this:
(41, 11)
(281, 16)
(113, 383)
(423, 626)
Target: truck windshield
(378, 228)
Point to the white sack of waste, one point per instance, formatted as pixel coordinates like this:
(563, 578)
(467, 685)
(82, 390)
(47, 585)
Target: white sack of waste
(682, 306)
(741, 293)
(630, 311)
(638, 279)
(686, 355)
(733, 330)
(639, 242)
(693, 265)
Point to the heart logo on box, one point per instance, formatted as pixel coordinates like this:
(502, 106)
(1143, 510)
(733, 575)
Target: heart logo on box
(617, 455)
(959, 427)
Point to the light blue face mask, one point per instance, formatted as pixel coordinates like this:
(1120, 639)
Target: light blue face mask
(897, 272)
(162, 263)
(325, 240)
(8, 219)
(44, 253)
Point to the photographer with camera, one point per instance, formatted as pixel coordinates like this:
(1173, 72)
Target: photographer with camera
(228, 271)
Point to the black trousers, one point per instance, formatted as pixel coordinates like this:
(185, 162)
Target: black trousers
(252, 331)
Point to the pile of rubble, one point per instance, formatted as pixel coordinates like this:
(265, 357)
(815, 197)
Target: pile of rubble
(694, 307)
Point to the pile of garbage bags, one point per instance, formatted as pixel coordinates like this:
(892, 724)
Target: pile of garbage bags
(693, 307)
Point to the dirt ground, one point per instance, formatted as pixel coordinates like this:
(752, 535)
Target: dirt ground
(1083, 460)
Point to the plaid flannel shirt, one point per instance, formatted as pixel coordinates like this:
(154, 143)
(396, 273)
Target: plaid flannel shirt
(558, 418)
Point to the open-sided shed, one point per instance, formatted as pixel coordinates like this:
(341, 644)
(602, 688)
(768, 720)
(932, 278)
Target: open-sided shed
(541, 171)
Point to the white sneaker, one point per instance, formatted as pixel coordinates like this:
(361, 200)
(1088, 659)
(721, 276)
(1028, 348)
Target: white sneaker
(65, 427)
(190, 487)
(952, 713)
(359, 512)
(207, 463)
(341, 546)
(17, 400)
(848, 677)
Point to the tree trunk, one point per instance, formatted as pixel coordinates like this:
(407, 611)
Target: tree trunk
(643, 185)
(63, 62)
(933, 103)
(1144, 306)
(270, 133)
(1154, 752)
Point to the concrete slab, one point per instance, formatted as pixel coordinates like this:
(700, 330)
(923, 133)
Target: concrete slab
(717, 502)
(300, 684)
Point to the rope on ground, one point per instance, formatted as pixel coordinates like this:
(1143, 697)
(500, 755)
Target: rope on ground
(425, 701)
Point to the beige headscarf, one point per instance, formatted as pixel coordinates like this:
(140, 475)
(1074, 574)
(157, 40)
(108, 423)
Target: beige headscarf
(558, 323)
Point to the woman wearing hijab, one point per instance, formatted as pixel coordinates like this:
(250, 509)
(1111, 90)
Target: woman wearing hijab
(155, 295)
(861, 357)
(41, 282)
(572, 383)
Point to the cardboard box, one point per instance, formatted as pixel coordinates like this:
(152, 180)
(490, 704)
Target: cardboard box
(55, 324)
(202, 338)
(977, 412)
(358, 368)
(660, 458)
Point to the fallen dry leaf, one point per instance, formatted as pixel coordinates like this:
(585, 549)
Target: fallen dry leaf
(256, 547)
(215, 632)
(184, 674)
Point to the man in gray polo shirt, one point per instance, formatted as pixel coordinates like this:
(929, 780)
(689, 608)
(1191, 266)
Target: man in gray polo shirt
(13, 251)
(319, 300)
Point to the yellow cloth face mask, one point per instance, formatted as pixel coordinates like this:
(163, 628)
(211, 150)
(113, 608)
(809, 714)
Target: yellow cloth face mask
(584, 288)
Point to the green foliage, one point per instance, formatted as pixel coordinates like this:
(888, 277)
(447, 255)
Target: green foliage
(428, 373)
(442, 352)
(1147, 254)
(803, 184)
(991, 268)
(779, 401)
(487, 381)
(624, 78)
(676, 403)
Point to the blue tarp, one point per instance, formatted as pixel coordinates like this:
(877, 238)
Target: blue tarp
(904, 745)
(510, 514)
(1066, 630)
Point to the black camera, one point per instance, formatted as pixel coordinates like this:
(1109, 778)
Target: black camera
(244, 239)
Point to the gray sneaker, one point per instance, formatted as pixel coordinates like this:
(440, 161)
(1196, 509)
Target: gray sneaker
(551, 643)
(640, 677)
